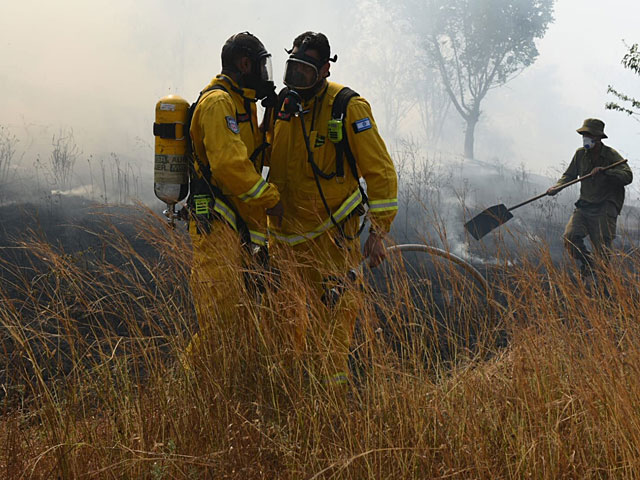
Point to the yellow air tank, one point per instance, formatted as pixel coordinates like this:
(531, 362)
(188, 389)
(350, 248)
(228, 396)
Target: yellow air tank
(170, 171)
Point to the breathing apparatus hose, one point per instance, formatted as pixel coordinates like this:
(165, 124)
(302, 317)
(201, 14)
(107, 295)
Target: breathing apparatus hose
(316, 174)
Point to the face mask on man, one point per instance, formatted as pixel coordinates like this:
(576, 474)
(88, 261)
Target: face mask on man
(302, 74)
(260, 78)
(588, 142)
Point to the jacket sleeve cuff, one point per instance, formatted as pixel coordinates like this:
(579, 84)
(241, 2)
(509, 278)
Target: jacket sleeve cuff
(382, 212)
(381, 223)
(255, 191)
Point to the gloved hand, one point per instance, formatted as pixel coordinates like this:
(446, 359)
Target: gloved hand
(271, 100)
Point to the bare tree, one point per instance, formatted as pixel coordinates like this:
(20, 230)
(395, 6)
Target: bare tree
(63, 158)
(8, 143)
(477, 45)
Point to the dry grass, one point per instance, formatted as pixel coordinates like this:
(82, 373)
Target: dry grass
(92, 385)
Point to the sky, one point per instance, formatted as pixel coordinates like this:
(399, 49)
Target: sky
(99, 67)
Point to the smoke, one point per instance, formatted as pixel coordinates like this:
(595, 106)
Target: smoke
(98, 68)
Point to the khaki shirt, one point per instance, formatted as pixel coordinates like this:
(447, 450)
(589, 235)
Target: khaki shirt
(605, 187)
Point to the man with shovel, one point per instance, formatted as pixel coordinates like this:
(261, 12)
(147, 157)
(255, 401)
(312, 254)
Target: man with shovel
(601, 195)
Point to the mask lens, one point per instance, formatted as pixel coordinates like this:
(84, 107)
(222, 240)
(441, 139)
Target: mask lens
(299, 74)
(266, 70)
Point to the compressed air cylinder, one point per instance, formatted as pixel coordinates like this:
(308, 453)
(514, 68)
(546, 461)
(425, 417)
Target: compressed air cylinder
(170, 171)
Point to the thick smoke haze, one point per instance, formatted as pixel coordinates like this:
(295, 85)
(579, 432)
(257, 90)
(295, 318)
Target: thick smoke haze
(99, 67)
(534, 116)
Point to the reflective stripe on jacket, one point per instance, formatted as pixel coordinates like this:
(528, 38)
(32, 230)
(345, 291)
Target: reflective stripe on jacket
(224, 135)
(257, 237)
(347, 207)
(305, 215)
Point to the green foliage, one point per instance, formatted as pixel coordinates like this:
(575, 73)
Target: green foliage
(631, 61)
(489, 40)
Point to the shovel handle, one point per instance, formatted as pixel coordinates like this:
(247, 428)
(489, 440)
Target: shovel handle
(562, 187)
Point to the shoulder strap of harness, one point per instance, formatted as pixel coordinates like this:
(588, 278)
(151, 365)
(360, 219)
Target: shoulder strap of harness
(339, 112)
(205, 170)
(190, 112)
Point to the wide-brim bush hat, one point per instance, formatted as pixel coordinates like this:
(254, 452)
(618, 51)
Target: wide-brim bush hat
(593, 127)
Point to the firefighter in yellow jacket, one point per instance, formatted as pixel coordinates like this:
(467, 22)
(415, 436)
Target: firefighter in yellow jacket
(317, 176)
(229, 197)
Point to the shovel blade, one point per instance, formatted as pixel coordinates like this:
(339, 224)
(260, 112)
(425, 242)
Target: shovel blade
(487, 221)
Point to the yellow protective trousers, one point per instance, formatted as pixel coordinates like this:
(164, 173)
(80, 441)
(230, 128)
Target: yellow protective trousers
(312, 330)
(221, 301)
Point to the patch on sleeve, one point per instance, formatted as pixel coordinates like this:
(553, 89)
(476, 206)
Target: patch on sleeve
(232, 124)
(361, 125)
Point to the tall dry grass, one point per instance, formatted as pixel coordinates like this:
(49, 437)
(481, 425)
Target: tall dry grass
(538, 378)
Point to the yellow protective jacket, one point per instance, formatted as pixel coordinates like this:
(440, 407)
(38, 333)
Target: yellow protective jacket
(305, 216)
(224, 133)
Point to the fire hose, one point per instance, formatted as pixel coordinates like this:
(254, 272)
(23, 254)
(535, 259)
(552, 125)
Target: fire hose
(332, 296)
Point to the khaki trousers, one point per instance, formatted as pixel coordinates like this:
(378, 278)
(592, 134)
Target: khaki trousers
(598, 223)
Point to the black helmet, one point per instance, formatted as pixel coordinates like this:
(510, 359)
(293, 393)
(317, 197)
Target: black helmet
(245, 44)
(240, 45)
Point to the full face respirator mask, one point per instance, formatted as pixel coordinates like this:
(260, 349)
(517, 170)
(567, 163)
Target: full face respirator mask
(260, 78)
(302, 71)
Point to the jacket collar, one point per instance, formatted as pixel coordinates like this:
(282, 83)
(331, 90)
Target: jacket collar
(230, 83)
(318, 97)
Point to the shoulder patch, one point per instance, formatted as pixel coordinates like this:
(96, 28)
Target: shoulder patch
(361, 125)
(232, 124)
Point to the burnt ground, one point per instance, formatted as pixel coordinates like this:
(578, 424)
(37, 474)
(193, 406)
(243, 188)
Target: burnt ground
(103, 244)
(82, 231)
